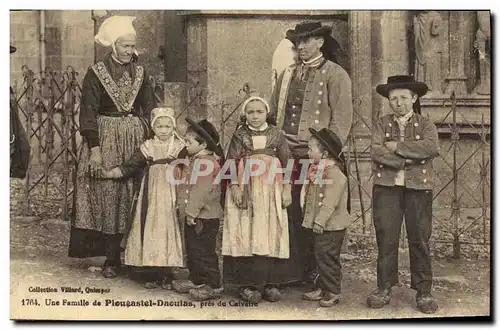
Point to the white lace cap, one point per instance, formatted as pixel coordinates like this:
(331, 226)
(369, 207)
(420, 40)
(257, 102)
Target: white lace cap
(113, 28)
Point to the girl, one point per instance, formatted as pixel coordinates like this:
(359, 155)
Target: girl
(154, 235)
(255, 240)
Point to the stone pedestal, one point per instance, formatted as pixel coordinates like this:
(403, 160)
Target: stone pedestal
(470, 111)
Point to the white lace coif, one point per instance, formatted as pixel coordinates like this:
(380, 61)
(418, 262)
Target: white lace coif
(113, 28)
(162, 112)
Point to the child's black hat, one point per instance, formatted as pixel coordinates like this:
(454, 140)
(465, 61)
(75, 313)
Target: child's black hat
(329, 140)
(209, 133)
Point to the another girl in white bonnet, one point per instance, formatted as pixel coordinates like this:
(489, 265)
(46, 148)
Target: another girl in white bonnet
(117, 100)
(255, 241)
(153, 236)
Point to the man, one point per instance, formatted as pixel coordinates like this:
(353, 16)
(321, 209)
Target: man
(403, 146)
(19, 144)
(315, 92)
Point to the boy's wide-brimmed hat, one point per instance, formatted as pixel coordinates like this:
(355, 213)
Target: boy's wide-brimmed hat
(329, 140)
(12, 49)
(402, 82)
(308, 29)
(209, 134)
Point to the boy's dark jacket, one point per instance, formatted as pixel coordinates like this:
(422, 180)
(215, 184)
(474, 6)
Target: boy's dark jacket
(421, 144)
(202, 199)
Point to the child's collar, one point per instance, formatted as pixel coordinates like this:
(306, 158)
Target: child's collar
(203, 152)
(329, 162)
(260, 129)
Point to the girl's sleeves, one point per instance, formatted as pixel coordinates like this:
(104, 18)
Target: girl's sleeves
(134, 163)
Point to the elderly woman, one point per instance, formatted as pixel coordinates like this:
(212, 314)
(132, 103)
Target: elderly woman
(116, 100)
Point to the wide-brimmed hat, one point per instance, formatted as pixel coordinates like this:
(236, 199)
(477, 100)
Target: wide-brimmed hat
(402, 82)
(209, 133)
(308, 29)
(329, 140)
(12, 49)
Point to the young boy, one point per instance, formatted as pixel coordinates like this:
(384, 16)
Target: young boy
(326, 212)
(404, 143)
(200, 201)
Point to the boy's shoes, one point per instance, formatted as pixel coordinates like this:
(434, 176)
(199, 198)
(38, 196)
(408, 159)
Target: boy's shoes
(150, 285)
(311, 277)
(163, 283)
(166, 283)
(272, 294)
(205, 292)
(182, 286)
(315, 295)
(329, 299)
(379, 298)
(426, 303)
(109, 272)
(252, 296)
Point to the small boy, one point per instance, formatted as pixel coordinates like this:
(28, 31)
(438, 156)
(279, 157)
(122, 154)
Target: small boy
(326, 212)
(200, 201)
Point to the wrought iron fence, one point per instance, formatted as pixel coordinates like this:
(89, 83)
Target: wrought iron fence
(48, 104)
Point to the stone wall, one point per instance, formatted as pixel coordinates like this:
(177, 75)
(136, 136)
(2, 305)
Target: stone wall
(24, 35)
(68, 41)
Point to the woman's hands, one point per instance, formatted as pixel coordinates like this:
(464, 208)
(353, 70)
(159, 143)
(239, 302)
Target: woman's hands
(95, 163)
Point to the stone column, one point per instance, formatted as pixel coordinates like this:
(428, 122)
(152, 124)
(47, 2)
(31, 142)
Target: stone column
(457, 81)
(389, 52)
(197, 64)
(53, 39)
(174, 56)
(361, 68)
(483, 45)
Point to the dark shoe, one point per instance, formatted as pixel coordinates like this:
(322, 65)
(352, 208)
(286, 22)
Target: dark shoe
(426, 303)
(150, 285)
(252, 296)
(379, 298)
(272, 294)
(182, 286)
(329, 300)
(315, 295)
(311, 277)
(166, 283)
(204, 292)
(109, 272)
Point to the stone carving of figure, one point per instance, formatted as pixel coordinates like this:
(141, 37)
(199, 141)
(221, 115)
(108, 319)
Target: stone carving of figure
(482, 44)
(428, 48)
